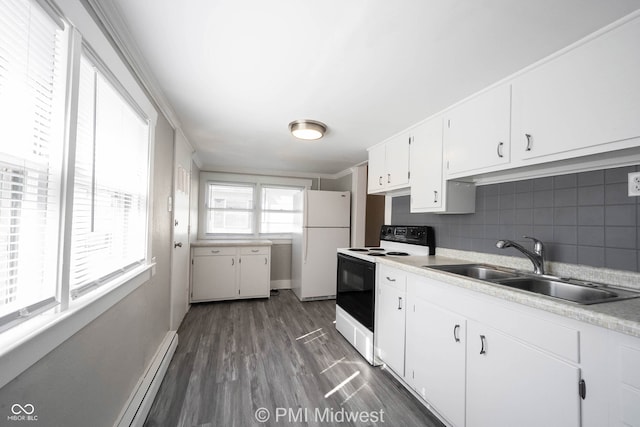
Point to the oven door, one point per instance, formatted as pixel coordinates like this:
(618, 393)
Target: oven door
(356, 283)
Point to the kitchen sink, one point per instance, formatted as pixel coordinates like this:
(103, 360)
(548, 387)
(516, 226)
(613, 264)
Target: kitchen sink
(579, 293)
(476, 271)
(566, 289)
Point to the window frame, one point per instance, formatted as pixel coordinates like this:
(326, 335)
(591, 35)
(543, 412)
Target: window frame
(258, 181)
(262, 209)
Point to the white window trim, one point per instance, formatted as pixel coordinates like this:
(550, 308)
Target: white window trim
(258, 181)
(23, 345)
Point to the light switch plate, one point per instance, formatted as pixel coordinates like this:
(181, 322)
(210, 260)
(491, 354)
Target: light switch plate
(634, 184)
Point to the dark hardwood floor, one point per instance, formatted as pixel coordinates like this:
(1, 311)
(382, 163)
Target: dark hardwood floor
(235, 358)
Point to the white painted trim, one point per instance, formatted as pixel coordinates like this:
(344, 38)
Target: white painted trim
(611, 159)
(358, 204)
(25, 344)
(266, 172)
(388, 202)
(139, 403)
(281, 284)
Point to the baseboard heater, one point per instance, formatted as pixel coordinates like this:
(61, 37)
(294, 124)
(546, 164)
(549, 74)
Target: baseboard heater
(137, 407)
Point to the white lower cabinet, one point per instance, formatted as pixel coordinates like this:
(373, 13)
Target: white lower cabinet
(390, 313)
(624, 365)
(435, 357)
(479, 361)
(510, 383)
(222, 273)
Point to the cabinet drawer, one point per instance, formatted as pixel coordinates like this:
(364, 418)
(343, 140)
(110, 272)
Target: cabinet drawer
(392, 277)
(213, 250)
(253, 250)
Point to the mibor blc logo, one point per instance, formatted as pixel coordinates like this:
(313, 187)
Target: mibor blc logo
(22, 412)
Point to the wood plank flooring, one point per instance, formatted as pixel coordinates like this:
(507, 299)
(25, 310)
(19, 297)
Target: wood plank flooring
(236, 357)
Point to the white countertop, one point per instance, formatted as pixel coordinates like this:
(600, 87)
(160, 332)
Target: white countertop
(230, 242)
(621, 316)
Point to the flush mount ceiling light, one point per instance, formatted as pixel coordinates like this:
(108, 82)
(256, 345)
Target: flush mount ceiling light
(307, 129)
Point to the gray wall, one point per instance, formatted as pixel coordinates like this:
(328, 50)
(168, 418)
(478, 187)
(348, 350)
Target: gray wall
(87, 380)
(340, 184)
(585, 218)
(281, 262)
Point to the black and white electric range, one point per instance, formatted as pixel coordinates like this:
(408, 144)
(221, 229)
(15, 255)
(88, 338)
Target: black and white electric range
(355, 298)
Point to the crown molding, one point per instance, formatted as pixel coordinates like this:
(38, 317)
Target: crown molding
(110, 19)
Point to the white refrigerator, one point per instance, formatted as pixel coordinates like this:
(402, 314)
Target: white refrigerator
(325, 227)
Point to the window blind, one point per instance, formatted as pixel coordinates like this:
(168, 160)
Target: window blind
(110, 190)
(279, 214)
(230, 208)
(31, 79)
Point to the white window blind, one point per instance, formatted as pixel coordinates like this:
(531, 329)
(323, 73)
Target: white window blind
(31, 110)
(279, 213)
(230, 208)
(110, 190)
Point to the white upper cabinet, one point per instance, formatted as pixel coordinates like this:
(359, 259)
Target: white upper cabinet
(477, 133)
(389, 164)
(426, 163)
(429, 191)
(583, 102)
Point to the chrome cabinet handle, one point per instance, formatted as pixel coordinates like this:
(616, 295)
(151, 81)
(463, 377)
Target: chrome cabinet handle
(529, 142)
(390, 279)
(215, 251)
(399, 303)
(380, 180)
(456, 329)
(265, 260)
(499, 149)
(435, 196)
(233, 261)
(483, 342)
(388, 178)
(255, 250)
(177, 245)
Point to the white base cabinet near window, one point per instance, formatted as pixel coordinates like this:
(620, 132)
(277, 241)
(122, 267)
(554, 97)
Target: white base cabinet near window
(390, 317)
(222, 273)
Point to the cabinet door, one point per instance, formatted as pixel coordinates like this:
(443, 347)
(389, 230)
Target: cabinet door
(397, 162)
(581, 101)
(376, 169)
(435, 357)
(255, 272)
(214, 277)
(477, 133)
(512, 384)
(426, 166)
(390, 327)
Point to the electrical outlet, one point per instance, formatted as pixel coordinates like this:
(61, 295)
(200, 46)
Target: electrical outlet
(634, 184)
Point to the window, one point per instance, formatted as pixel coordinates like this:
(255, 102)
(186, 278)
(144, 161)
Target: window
(279, 212)
(52, 250)
(254, 206)
(31, 97)
(230, 209)
(110, 189)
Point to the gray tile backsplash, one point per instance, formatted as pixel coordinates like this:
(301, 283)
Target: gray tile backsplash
(584, 218)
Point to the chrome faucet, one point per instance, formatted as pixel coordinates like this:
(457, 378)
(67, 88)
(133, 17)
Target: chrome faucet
(536, 257)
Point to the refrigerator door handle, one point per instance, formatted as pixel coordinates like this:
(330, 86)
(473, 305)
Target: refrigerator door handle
(305, 210)
(305, 237)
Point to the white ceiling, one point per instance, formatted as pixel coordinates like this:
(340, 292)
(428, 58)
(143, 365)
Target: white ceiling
(236, 72)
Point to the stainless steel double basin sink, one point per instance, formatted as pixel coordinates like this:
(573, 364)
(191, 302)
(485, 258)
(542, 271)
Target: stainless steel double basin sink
(579, 292)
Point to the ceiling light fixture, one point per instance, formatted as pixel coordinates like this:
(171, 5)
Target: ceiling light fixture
(307, 129)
